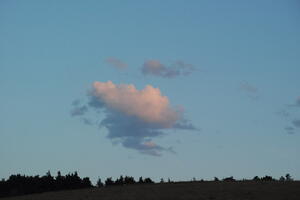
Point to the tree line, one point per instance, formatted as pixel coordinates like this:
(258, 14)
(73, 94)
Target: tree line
(127, 180)
(21, 184)
(257, 178)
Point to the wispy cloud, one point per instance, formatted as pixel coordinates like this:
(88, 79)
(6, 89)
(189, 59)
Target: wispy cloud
(283, 113)
(296, 104)
(115, 62)
(290, 130)
(156, 68)
(78, 110)
(250, 90)
(296, 123)
(291, 116)
(87, 121)
(134, 117)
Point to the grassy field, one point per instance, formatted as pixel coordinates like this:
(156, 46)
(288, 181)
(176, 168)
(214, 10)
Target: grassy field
(184, 191)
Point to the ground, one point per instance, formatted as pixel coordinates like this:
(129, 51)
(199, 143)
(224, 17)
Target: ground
(185, 190)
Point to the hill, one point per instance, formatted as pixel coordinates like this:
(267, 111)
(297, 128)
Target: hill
(207, 190)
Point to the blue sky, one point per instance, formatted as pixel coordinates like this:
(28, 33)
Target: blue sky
(242, 92)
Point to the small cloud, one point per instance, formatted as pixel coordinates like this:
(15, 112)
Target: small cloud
(156, 68)
(283, 113)
(290, 130)
(296, 104)
(79, 110)
(116, 63)
(185, 124)
(148, 147)
(250, 90)
(296, 123)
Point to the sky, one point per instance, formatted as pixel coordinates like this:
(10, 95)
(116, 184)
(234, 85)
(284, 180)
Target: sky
(158, 89)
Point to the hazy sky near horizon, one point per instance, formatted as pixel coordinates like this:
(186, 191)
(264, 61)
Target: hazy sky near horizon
(177, 89)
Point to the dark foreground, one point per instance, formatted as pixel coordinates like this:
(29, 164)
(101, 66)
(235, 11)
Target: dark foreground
(185, 190)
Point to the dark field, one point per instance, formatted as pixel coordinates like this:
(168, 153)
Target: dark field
(185, 190)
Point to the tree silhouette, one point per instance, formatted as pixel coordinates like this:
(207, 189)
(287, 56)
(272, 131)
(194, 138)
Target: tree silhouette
(288, 177)
(229, 179)
(126, 181)
(99, 183)
(281, 178)
(86, 182)
(129, 180)
(141, 181)
(148, 180)
(119, 181)
(109, 181)
(267, 178)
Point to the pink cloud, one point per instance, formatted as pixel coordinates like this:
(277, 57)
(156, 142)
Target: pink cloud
(147, 104)
(153, 67)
